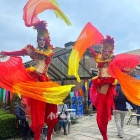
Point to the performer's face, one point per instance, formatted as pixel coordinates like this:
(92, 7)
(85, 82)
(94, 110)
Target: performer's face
(106, 53)
(41, 41)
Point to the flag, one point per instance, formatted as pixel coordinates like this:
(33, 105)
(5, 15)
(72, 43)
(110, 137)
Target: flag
(71, 94)
(81, 92)
(84, 88)
(76, 94)
(89, 101)
(86, 84)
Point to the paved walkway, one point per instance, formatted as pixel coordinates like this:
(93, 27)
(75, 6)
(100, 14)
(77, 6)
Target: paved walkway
(86, 129)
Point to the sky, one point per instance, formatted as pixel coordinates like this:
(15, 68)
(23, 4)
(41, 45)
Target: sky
(118, 18)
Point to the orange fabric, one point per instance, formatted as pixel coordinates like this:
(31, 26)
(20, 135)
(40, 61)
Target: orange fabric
(48, 91)
(34, 7)
(88, 37)
(129, 85)
(118, 68)
(14, 77)
(34, 89)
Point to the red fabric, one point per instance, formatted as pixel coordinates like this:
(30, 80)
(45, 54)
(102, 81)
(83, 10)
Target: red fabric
(37, 117)
(98, 82)
(51, 118)
(42, 112)
(103, 103)
(124, 62)
(102, 115)
(35, 108)
(39, 77)
(13, 71)
(103, 64)
(92, 51)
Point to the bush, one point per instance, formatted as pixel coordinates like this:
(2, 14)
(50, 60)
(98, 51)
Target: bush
(2, 112)
(7, 125)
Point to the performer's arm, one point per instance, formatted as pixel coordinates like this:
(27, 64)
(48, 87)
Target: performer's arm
(16, 53)
(25, 51)
(92, 51)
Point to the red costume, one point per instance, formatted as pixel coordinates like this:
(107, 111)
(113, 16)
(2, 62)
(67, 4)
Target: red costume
(104, 103)
(34, 84)
(109, 69)
(40, 111)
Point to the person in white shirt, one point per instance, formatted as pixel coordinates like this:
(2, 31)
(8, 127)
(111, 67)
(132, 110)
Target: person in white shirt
(62, 116)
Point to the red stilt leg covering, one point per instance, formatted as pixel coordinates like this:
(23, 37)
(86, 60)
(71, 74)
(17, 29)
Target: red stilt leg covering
(37, 116)
(102, 116)
(51, 118)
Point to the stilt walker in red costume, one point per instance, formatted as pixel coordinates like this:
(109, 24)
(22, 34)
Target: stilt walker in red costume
(103, 86)
(39, 93)
(110, 68)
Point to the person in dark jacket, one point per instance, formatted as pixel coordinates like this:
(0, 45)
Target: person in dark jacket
(121, 110)
(138, 117)
(20, 112)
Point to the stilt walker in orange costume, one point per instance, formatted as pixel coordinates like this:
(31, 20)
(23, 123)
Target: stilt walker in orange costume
(40, 94)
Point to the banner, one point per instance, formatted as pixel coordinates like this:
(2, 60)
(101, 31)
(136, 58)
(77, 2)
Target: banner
(89, 101)
(86, 84)
(81, 92)
(72, 93)
(76, 94)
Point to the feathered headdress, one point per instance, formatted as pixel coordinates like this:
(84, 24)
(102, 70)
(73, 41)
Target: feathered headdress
(35, 7)
(108, 43)
(42, 31)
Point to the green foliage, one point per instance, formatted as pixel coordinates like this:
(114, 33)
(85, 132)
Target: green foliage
(7, 125)
(2, 112)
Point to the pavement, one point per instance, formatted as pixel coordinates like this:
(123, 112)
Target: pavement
(86, 129)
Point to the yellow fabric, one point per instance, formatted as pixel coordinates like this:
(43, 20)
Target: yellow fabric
(74, 64)
(86, 85)
(59, 13)
(57, 94)
(49, 92)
